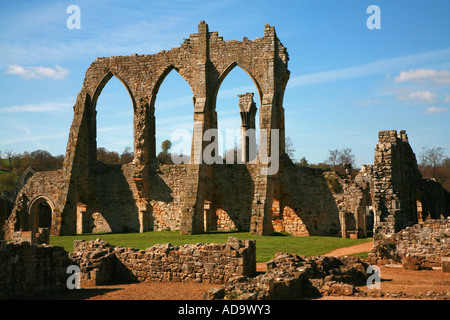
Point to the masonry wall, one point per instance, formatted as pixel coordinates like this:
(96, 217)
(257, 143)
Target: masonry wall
(167, 195)
(102, 263)
(307, 206)
(46, 184)
(231, 203)
(396, 182)
(3, 215)
(110, 200)
(401, 197)
(421, 246)
(29, 270)
(427, 242)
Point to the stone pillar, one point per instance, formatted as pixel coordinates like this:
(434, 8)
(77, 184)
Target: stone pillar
(81, 211)
(343, 222)
(193, 212)
(248, 137)
(143, 218)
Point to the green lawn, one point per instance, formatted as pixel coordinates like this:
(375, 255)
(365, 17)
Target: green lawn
(265, 246)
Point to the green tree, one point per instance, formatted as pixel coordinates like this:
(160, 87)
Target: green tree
(126, 156)
(303, 162)
(165, 146)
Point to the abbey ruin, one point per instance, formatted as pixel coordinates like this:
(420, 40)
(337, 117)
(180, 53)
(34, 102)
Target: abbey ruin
(86, 196)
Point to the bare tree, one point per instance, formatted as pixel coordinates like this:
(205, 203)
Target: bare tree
(433, 157)
(10, 155)
(346, 157)
(289, 147)
(332, 159)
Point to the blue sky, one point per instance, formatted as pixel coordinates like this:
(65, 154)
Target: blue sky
(347, 82)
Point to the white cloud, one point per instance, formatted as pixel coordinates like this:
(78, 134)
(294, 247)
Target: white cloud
(422, 75)
(374, 68)
(433, 110)
(38, 72)
(368, 102)
(418, 97)
(38, 107)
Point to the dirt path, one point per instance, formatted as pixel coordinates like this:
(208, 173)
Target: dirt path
(363, 247)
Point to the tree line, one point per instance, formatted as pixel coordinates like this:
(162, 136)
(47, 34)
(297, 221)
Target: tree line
(432, 162)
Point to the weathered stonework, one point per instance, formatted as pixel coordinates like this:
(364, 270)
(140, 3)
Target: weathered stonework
(102, 263)
(28, 270)
(127, 199)
(421, 246)
(400, 196)
(292, 277)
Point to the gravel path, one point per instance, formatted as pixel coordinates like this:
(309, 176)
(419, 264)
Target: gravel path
(363, 247)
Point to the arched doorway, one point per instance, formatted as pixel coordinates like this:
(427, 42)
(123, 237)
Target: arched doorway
(41, 213)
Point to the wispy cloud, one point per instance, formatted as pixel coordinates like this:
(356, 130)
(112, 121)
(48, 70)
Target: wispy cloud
(418, 97)
(373, 68)
(434, 110)
(368, 102)
(57, 73)
(423, 75)
(29, 136)
(38, 107)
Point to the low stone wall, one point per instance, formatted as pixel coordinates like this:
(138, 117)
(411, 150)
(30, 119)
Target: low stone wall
(425, 243)
(27, 270)
(290, 277)
(102, 263)
(421, 246)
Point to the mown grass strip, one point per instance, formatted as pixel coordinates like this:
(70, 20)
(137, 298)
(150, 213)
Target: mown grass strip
(266, 246)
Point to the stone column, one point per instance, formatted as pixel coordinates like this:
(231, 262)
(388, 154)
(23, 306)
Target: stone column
(248, 138)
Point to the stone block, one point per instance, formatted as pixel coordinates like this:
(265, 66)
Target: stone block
(445, 264)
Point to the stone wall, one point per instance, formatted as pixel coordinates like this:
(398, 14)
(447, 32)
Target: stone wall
(353, 198)
(167, 194)
(231, 204)
(3, 216)
(204, 60)
(400, 196)
(421, 246)
(306, 205)
(102, 263)
(424, 244)
(291, 277)
(39, 186)
(27, 270)
(110, 200)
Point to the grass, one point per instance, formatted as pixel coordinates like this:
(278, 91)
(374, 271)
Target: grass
(265, 246)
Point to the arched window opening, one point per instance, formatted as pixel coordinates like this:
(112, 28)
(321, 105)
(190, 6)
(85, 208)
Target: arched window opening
(45, 215)
(237, 106)
(114, 124)
(173, 119)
